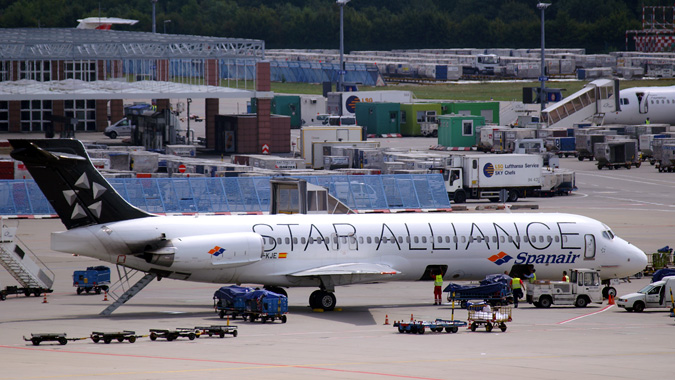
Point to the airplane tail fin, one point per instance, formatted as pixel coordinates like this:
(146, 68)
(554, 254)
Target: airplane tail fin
(76, 190)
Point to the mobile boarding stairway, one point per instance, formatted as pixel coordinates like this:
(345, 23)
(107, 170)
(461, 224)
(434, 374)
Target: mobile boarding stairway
(29, 271)
(586, 105)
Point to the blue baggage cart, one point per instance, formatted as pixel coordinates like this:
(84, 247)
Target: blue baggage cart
(495, 290)
(93, 278)
(251, 304)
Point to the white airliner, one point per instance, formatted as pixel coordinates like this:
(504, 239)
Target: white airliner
(311, 250)
(641, 103)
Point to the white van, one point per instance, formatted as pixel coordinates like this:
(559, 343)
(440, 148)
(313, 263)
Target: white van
(121, 128)
(656, 294)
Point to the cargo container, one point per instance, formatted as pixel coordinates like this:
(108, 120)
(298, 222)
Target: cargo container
(337, 148)
(562, 146)
(489, 110)
(311, 106)
(286, 105)
(459, 131)
(312, 134)
(344, 103)
(616, 154)
(413, 114)
(379, 118)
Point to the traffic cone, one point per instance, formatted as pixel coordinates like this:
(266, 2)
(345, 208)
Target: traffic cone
(386, 319)
(411, 317)
(44, 300)
(105, 295)
(611, 300)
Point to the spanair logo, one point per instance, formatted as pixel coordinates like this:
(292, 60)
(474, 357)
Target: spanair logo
(351, 103)
(500, 258)
(216, 251)
(489, 170)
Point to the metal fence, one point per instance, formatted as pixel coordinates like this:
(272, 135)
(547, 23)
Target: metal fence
(242, 194)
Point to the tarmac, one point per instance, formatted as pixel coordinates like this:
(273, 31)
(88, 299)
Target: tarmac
(596, 342)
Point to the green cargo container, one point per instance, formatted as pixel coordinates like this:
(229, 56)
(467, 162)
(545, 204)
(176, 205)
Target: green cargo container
(379, 118)
(412, 114)
(459, 131)
(489, 110)
(287, 105)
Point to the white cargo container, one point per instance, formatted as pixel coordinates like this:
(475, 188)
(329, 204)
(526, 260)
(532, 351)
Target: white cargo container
(508, 176)
(312, 134)
(347, 100)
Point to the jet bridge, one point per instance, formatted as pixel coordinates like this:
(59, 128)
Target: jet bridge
(588, 104)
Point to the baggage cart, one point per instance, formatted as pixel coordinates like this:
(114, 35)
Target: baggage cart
(120, 336)
(484, 314)
(420, 327)
(494, 290)
(62, 338)
(174, 334)
(95, 279)
(250, 304)
(15, 290)
(219, 330)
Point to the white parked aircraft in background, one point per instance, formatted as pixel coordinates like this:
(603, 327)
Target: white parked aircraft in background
(311, 250)
(641, 103)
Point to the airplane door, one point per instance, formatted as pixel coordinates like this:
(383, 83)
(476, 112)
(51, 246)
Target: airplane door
(643, 102)
(589, 248)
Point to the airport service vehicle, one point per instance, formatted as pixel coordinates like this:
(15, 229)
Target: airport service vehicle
(120, 336)
(250, 304)
(420, 327)
(123, 127)
(584, 287)
(15, 290)
(317, 134)
(483, 64)
(654, 295)
(617, 154)
(489, 316)
(308, 250)
(487, 176)
(95, 279)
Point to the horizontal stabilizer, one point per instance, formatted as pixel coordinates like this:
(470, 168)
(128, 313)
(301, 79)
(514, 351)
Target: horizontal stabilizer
(347, 269)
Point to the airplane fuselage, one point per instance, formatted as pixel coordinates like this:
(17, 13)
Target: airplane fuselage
(295, 250)
(641, 103)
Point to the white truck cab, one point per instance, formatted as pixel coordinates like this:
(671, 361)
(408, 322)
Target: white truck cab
(656, 294)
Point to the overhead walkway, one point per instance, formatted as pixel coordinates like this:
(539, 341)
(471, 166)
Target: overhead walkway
(586, 105)
(244, 194)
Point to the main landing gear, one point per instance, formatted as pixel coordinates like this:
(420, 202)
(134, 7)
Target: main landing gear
(322, 299)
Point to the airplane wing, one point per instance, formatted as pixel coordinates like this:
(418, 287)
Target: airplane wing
(347, 269)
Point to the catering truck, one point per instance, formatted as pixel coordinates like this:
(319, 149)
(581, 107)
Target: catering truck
(584, 287)
(493, 177)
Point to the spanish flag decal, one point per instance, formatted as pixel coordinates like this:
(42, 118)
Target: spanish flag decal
(282, 255)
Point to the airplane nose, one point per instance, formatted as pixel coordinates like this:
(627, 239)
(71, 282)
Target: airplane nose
(638, 259)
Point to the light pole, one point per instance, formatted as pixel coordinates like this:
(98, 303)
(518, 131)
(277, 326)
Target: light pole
(165, 22)
(542, 95)
(341, 72)
(154, 24)
(187, 135)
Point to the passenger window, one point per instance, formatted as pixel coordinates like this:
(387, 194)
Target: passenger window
(501, 239)
(416, 239)
(407, 239)
(327, 240)
(360, 239)
(447, 239)
(400, 240)
(385, 240)
(302, 240)
(454, 239)
(494, 239)
(369, 239)
(526, 239)
(557, 239)
(352, 240)
(377, 240)
(424, 239)
(295, 240)
(278, 240)
(440, 239)
(287, 240)
(343, 239)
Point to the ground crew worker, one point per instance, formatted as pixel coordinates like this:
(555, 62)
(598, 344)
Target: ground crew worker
(438, 285)
(517, 288)
(533, 276)
(565, 277)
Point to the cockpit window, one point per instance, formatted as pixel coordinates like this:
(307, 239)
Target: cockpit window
(608, 234)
